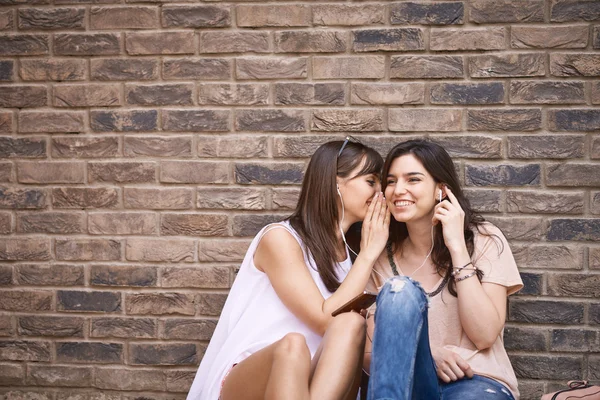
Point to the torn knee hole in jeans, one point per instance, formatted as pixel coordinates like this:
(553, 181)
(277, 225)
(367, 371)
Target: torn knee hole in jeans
(397, 285)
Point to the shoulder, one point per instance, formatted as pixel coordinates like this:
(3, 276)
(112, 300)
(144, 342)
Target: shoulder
(278, 238)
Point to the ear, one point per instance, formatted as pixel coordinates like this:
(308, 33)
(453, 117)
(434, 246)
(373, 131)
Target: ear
(440, 192)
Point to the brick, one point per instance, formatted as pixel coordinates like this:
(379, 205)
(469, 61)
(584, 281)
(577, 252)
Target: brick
(160, 304)
(593, 364)
(85, 147)
(595, 203)
(574, 10)
(525, 119)
(50, 326)
(109, 69)
(575, 340)
(51, 122)
(45, 375)
(533, 284)
(284, 199)
(434, 13)
(122, 379)
(231, 198)
(49, 275)
(5, 176)
(69, 197)
(7, 68)
(211, 304)
(502, 175)
(595, 92)
(233, 94)
(159, 95)
(194, 225)
(52, 69)
(24, 45)
(596, 39)
(156, 199)
(250, 225)
(86, 44)
(92, 301)
(595, 149)
(470, 146)
(574, 285)
(23, 96)
(6, 274)
(194, 172)
(234, 42)
(269, 173)
(88, 250)
(195, 120)
(309, 94)
(271, 68)
(7, 20)
(524, 339)
(12, 374)
(233, 146)
(25, 301)
(6, 122)
(258, 16)
(546, 146)
(6, 328)
(163, 354)
(5, 223)
(22, 350)
(196, 277)
(50, 172)
(189, 329)
(17, 198)
(546, 367)
(158, 146)
(425, 120)
(270, 120)
(551, 257)
(298, 146)
(549, 37)
(595, 313)
(124, 120)
(310, 41)
(467, 93)
(348, 14)
(122, 223)
(226, 250)
(86, 95)
(546, 92)
(387, 94)
(578, 120)
(520, 228)
(203, 16)
(494, 11)
(176, 250)
(510, 65)
(123, 328)
(123, 18)
(22, 148)
(544, 202)
(545, 312)
(574, 229)
(122, 172)
(465, 39)
(51, 222)
(398, 39)
(358, 120)
(572, 175)
(575, 64)
(162, 42)
(51, 18)
(123, 275)
(89, 352)
(202, 68)
(352, 67)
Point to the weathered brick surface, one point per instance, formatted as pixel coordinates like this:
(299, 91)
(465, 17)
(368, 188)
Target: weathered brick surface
(143, 143)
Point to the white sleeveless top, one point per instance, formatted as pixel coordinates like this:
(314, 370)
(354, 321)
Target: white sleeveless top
(254, 317)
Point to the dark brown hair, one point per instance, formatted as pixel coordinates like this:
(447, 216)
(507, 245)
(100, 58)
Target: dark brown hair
(316, 216)
(439, 164)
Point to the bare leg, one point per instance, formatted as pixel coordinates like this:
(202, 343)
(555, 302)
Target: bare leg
(337, 364)
(279, 371)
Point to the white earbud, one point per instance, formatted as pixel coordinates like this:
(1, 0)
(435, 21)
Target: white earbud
(337, 187)
(440, 195)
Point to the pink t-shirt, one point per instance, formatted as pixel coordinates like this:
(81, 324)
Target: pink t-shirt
(491, 255)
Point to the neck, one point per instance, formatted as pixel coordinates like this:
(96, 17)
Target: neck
(419, 238)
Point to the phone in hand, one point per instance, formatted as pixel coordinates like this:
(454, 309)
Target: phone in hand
(360, 302)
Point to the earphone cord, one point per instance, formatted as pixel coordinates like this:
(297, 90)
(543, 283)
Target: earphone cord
(342, 223)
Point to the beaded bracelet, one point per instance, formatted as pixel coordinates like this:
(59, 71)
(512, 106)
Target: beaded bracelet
(462, 278)
(457, 270)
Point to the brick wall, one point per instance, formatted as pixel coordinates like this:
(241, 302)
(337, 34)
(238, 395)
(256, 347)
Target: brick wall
(143, 143)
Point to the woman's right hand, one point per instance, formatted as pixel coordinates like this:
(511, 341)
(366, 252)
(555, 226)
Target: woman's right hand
(375, 228)
(450, 366)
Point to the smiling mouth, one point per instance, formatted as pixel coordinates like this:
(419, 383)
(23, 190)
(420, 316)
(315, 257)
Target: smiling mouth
(403, 203)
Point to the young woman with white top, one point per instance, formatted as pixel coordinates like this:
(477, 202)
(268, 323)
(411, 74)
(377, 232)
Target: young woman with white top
(276, 338)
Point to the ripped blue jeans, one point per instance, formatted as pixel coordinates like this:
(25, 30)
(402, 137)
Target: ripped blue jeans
(402, 367)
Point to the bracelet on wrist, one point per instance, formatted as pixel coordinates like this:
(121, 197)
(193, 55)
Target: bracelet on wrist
(458, 270)
(462, 278)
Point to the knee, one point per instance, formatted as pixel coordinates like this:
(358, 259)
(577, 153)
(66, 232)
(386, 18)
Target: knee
(401, 295)
(292, 347)
(349, 327)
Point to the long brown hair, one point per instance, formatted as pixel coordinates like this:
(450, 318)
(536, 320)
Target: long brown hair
(439, 164)
(316, 216)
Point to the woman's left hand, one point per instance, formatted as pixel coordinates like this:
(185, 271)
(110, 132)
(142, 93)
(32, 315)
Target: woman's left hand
(451, 215)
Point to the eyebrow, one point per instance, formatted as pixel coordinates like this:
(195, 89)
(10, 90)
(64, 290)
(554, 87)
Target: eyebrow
(410, 174)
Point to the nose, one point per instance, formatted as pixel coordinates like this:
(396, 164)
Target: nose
(399, 189)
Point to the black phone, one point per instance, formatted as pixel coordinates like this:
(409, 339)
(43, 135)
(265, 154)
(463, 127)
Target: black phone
(360, 302)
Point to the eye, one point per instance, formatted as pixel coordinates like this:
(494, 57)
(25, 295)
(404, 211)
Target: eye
(414, 180)
(371, 182)
(390, 182)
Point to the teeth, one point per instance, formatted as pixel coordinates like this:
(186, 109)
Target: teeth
(403, 203)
